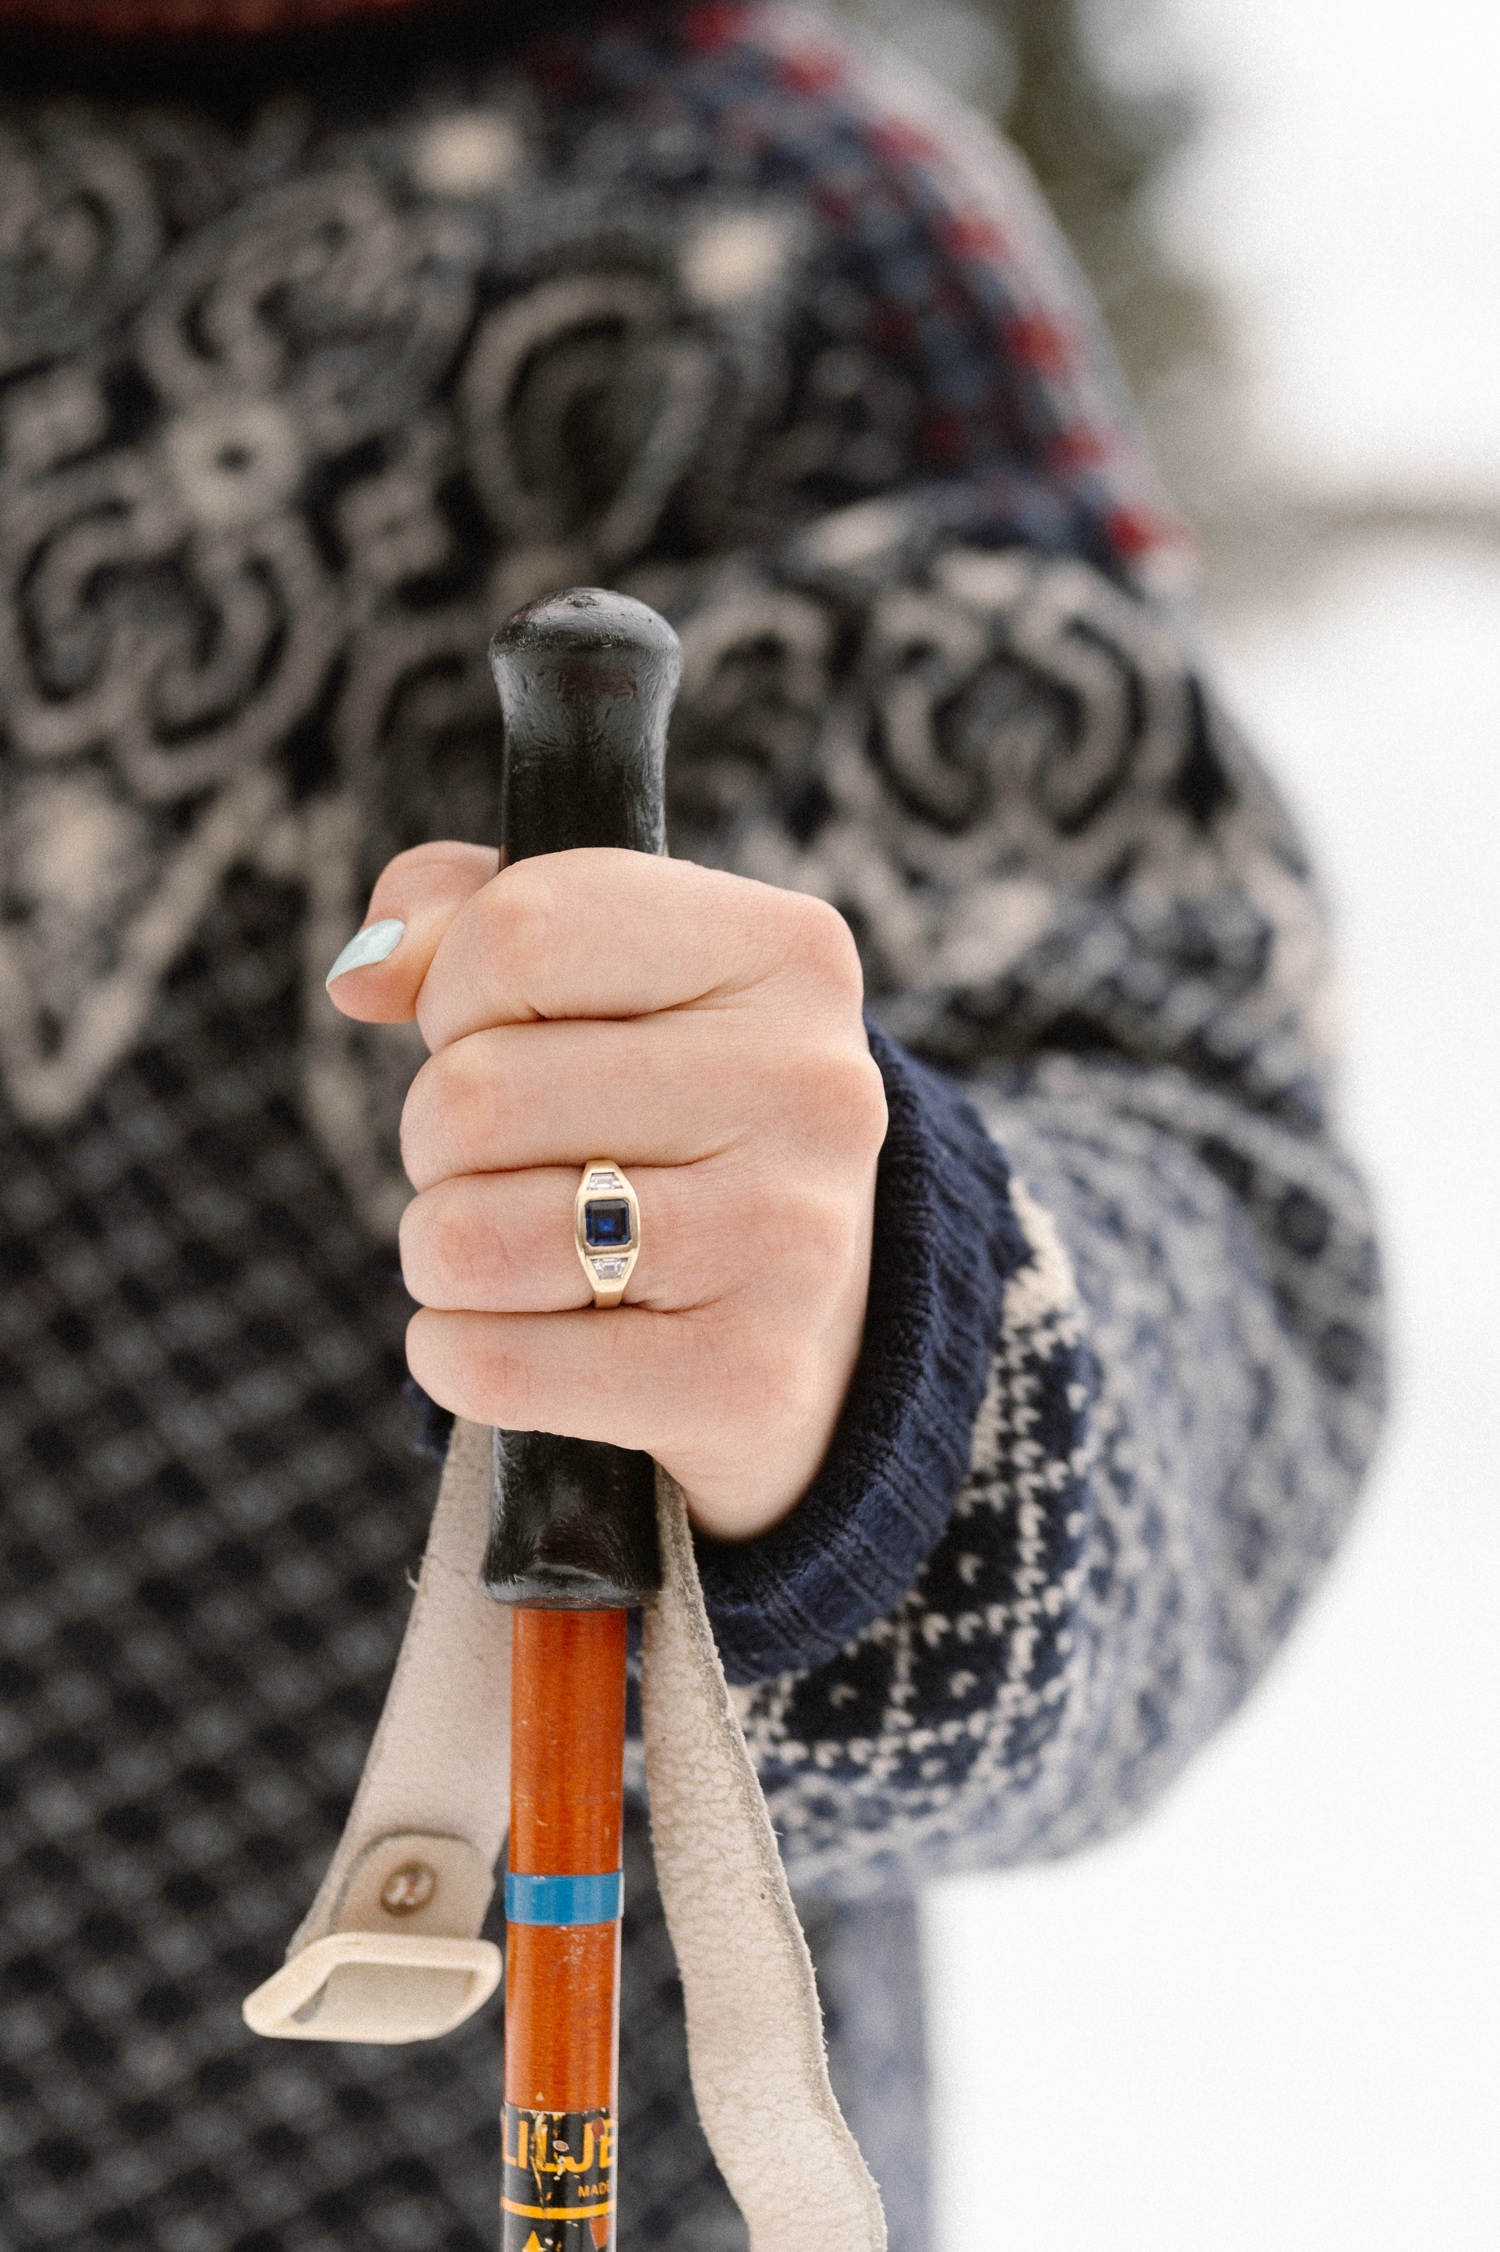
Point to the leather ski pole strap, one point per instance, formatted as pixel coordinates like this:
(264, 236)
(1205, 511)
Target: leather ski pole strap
(755, 2030)
(390, 1949)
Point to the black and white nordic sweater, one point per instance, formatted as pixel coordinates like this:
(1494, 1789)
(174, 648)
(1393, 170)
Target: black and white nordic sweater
(316, 357)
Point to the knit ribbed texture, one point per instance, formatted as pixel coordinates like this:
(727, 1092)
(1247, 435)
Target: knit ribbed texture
(946, 1241)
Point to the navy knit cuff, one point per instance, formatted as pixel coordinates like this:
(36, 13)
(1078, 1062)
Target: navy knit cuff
(947, 1240)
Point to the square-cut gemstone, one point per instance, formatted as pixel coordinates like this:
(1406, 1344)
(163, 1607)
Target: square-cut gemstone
(606, 1223)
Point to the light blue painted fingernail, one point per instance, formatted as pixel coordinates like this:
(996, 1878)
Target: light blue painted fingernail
(370, 945)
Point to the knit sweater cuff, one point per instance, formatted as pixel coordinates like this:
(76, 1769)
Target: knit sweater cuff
(947, 1240)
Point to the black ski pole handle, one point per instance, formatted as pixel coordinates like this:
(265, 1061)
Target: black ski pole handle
(586, 682)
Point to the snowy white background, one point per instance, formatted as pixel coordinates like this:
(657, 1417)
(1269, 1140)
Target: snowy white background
(1270, 2020)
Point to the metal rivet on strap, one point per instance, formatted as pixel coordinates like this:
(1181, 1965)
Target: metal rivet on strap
(408, 1888)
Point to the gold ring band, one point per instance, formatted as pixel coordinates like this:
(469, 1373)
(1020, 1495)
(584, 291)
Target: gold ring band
(606, 1229)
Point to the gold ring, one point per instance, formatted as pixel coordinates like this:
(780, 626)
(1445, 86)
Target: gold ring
(606, 1229)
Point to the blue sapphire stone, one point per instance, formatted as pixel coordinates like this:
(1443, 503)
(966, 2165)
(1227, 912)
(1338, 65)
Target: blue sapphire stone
(606, 1223)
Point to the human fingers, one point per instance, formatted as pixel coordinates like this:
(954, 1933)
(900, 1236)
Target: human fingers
(666, 1090)
(672, 1385)
(502, 1243)
(379, 974)
(623, 934)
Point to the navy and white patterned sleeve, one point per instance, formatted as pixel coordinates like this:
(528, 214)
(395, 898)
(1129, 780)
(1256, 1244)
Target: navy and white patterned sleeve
(1123, 1367)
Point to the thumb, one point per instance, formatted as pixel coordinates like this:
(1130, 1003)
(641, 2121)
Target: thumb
(379, 974)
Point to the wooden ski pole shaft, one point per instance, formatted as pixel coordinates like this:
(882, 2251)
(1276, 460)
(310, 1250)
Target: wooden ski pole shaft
(586, 682)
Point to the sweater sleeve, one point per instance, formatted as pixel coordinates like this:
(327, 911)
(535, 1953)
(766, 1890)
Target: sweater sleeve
(947, 1237)
(1122, 1368)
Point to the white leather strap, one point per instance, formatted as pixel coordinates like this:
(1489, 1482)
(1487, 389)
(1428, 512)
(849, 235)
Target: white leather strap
(755, 2030)
(389, 1950)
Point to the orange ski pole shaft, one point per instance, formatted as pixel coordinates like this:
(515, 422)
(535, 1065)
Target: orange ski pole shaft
(562, 1897)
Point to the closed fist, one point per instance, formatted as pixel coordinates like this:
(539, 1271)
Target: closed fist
(703, 1032)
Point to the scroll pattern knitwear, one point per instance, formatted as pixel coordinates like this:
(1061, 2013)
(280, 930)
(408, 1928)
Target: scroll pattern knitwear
(318, 355)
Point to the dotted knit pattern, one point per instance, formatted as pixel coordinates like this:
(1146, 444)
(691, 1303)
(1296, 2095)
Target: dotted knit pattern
(1159, 1474)
(309, 369)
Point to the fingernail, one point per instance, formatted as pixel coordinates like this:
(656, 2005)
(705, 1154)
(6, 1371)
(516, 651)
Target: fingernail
(370, 945)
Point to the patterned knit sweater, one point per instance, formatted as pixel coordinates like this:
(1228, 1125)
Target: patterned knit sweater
(317, 355)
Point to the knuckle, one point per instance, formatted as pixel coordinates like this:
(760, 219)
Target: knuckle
(417, 859)
(823, 946)
(867, 1113)
(420, 866)
(843, 1099)
(458, 1360)
(413, 1130)
(448, 1106)
(428, 1359)
(421, 1121)
(521, 912)
(440, 1260)
(413, 1245)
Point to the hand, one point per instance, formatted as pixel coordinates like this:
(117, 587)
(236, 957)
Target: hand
(705, 1033)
